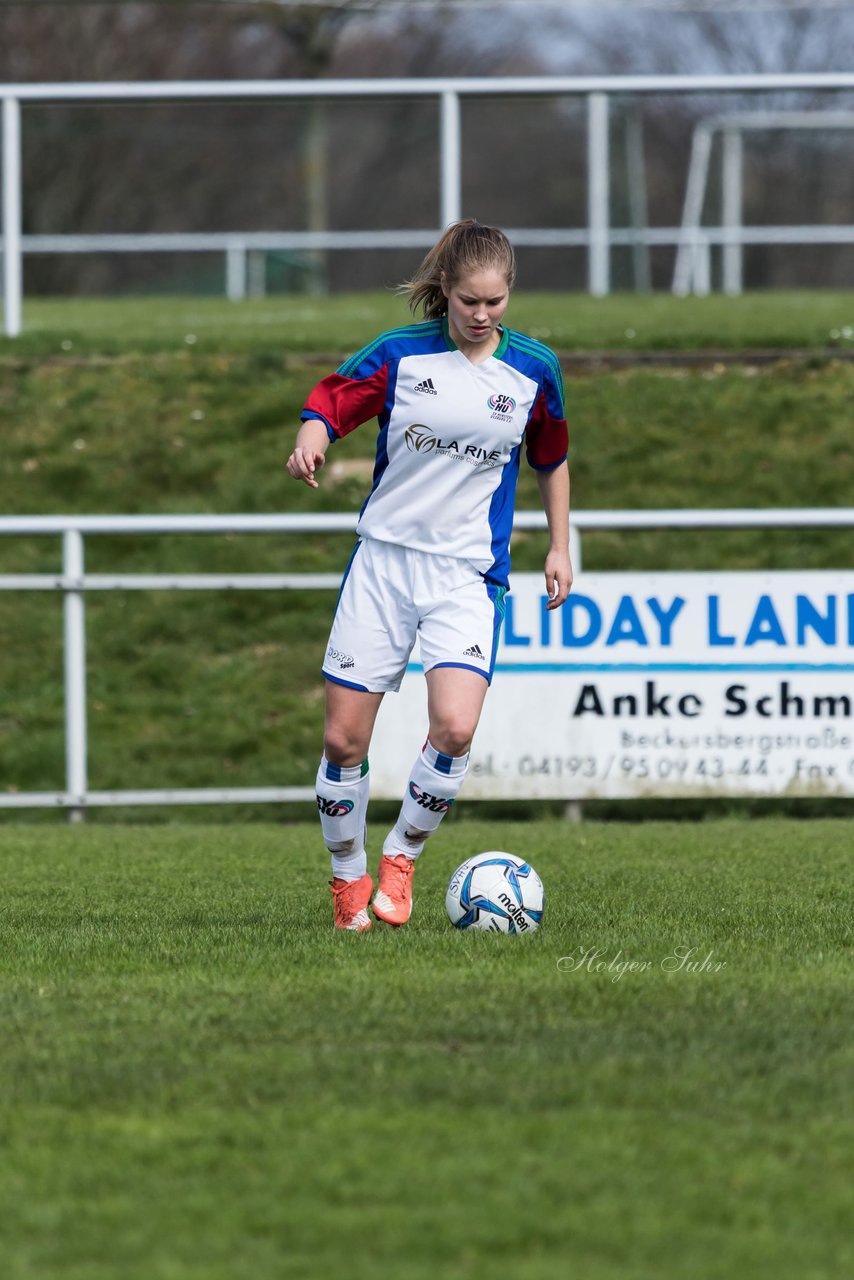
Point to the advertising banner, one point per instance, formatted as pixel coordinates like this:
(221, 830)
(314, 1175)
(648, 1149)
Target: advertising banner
(656, 684)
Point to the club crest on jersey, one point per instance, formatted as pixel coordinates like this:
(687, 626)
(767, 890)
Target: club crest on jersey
(502, 406)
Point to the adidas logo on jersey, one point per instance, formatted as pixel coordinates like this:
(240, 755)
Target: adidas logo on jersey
(426, 387)
(474, 652)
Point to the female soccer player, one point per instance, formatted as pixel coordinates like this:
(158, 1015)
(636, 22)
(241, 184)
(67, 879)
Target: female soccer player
(455, 395)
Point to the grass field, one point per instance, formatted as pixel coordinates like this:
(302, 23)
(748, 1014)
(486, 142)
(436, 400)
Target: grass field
(200, 1081)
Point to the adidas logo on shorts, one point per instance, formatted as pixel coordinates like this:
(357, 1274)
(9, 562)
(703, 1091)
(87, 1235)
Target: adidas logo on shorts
(474, 652)
(426, 387)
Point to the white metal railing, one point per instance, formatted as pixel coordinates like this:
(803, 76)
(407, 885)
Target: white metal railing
(598, 237)
(74, 582)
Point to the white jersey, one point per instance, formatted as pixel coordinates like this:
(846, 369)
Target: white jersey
(450, 436)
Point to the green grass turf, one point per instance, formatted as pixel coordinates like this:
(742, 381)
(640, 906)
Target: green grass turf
(199, 1079)
(344, 322)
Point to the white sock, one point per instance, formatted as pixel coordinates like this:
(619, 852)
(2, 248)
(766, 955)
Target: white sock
(433, 786)
(342, 800)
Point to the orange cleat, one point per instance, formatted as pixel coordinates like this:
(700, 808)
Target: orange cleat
(393, 899)
(350, 900)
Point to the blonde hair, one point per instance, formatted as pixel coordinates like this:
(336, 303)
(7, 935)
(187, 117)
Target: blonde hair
(466, 247)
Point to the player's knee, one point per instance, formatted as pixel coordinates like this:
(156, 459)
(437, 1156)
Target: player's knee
(340, 746)
(452, 735)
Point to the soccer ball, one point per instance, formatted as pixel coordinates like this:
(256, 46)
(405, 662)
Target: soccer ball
(497, 892)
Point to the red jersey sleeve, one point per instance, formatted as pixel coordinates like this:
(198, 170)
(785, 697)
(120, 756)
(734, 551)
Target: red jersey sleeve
(344, 403)
(547, 436)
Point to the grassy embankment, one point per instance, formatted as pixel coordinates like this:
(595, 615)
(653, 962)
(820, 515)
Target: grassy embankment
(109, 407)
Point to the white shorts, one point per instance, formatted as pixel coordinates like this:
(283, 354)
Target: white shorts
(392, 595)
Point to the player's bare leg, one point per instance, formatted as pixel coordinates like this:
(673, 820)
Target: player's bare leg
(342, 798)
(349, 724)
(454, 703)
(455, 698)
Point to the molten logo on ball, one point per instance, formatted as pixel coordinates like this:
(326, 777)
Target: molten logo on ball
(497, 892)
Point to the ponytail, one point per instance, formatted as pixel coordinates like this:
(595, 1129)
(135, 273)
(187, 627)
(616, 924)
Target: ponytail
(466, 247)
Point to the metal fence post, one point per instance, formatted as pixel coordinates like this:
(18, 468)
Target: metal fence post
(638, 204)
(74, 619)
(12, 251)
(575, 546)
(701, 268)
(235, 271)
(256, 275)
(598, 196)
(732, 211)
(450, 196)
(692, 211)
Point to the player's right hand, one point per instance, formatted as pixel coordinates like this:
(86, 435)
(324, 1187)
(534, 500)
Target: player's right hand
(303, 463)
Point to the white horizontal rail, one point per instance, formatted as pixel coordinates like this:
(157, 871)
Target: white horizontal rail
(74, 582)
(528, 237)
(171, 582)
(328, 522)
(220, 241)
(343, 522)
(428, 86)
(189, 796)
(717, 518)
(759, 120)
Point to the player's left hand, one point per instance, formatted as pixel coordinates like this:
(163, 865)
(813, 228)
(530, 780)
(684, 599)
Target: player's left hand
(303, 463)
(558, 578)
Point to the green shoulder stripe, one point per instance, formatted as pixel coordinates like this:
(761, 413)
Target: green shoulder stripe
(407, 330)
(532, 347)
